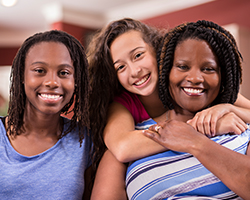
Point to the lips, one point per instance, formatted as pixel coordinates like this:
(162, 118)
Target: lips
(52, 97)
(193, 91)
(141, 81)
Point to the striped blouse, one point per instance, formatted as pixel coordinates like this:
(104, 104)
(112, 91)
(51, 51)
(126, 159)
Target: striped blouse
(175, 175)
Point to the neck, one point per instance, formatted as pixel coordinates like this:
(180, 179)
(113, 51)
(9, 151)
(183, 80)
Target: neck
(153, 104)
(42, 125)
(180, 115)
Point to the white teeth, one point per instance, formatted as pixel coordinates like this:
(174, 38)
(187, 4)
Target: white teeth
(50, 96)
(142, 80)
(192, 90)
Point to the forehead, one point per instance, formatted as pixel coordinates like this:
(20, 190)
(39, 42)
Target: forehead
(49, 53)
(126, 42)
(47, 49)
(193, 48)
(128, 38)
(46, 45)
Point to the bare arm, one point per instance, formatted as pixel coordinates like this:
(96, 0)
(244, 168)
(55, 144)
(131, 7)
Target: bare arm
(121, 138)
(128, 144)
(109, 182)
(230, 167)
(242, 101)
(206, 120)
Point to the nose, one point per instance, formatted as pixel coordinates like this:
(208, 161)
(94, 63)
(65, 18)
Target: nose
(135, 70)
(51, 80)
(195, 76)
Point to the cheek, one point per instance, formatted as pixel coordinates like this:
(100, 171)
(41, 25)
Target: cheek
(215, 82)
(30, 82)
(71, 86)
(122, 78)
(172, 91)
(174, 79)
(152, 63)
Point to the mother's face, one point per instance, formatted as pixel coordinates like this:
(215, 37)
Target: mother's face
(195, 78)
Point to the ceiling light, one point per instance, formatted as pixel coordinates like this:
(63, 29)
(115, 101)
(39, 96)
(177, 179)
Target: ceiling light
(8, 3)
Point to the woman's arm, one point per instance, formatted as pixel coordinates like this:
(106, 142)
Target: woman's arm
(110, 179)
(128, 144)
(206, 120)
(242, 101)
(121, 138)
(232, 168)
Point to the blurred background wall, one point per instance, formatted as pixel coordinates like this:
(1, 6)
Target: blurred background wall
(82, 18)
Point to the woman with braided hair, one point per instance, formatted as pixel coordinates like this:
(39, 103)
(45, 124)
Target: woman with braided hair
(196, 61)
(42, 154)
(124, 81)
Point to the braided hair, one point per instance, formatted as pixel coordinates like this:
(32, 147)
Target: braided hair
(222, 44)
(103, 78)
(81, 93)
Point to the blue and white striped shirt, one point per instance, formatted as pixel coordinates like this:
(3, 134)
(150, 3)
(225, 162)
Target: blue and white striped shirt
(175, 175)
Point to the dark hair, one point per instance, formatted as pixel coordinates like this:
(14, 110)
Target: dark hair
(103, 77)
(81, 93)
(224, 47)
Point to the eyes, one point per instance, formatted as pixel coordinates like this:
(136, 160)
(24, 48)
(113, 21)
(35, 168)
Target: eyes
(205, 68)
(62, 73)
(136, 57)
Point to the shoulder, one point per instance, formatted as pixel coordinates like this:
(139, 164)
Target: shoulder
(73, 136)
(134, 106)
(126, 97)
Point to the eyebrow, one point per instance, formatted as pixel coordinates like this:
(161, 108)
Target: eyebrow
(40, 62)
(133, 50)
(205, 62)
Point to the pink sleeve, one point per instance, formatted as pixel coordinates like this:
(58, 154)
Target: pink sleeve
(134, 105)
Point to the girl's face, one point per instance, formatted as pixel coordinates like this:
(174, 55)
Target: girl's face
(195, 78)
(48, 77)
(135, 63)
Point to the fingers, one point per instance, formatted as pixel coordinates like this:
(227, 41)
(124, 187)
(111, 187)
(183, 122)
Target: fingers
(205, 125)
(151, 134)
(192, 122)
(157, 128)
(230, 123)
(239, 125)
(205, 122)
(242, 126)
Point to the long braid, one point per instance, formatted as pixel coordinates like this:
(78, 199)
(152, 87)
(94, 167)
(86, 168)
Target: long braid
(81, 93)
(165, 60)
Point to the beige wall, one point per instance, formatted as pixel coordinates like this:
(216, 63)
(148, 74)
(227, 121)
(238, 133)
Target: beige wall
(242, 36)
(4, 81)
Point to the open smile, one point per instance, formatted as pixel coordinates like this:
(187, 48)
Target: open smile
(193, 91)
(50, 97)
(142, 80)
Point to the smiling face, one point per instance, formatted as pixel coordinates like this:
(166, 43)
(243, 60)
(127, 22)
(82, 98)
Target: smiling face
(48, 77)
(194, 79)
(135, 63)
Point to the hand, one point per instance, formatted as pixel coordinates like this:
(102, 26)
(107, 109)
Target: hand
(205, 121)
(175, 135)
(230, 123)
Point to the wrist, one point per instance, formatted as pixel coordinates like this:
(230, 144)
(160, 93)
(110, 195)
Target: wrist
(199, 147)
